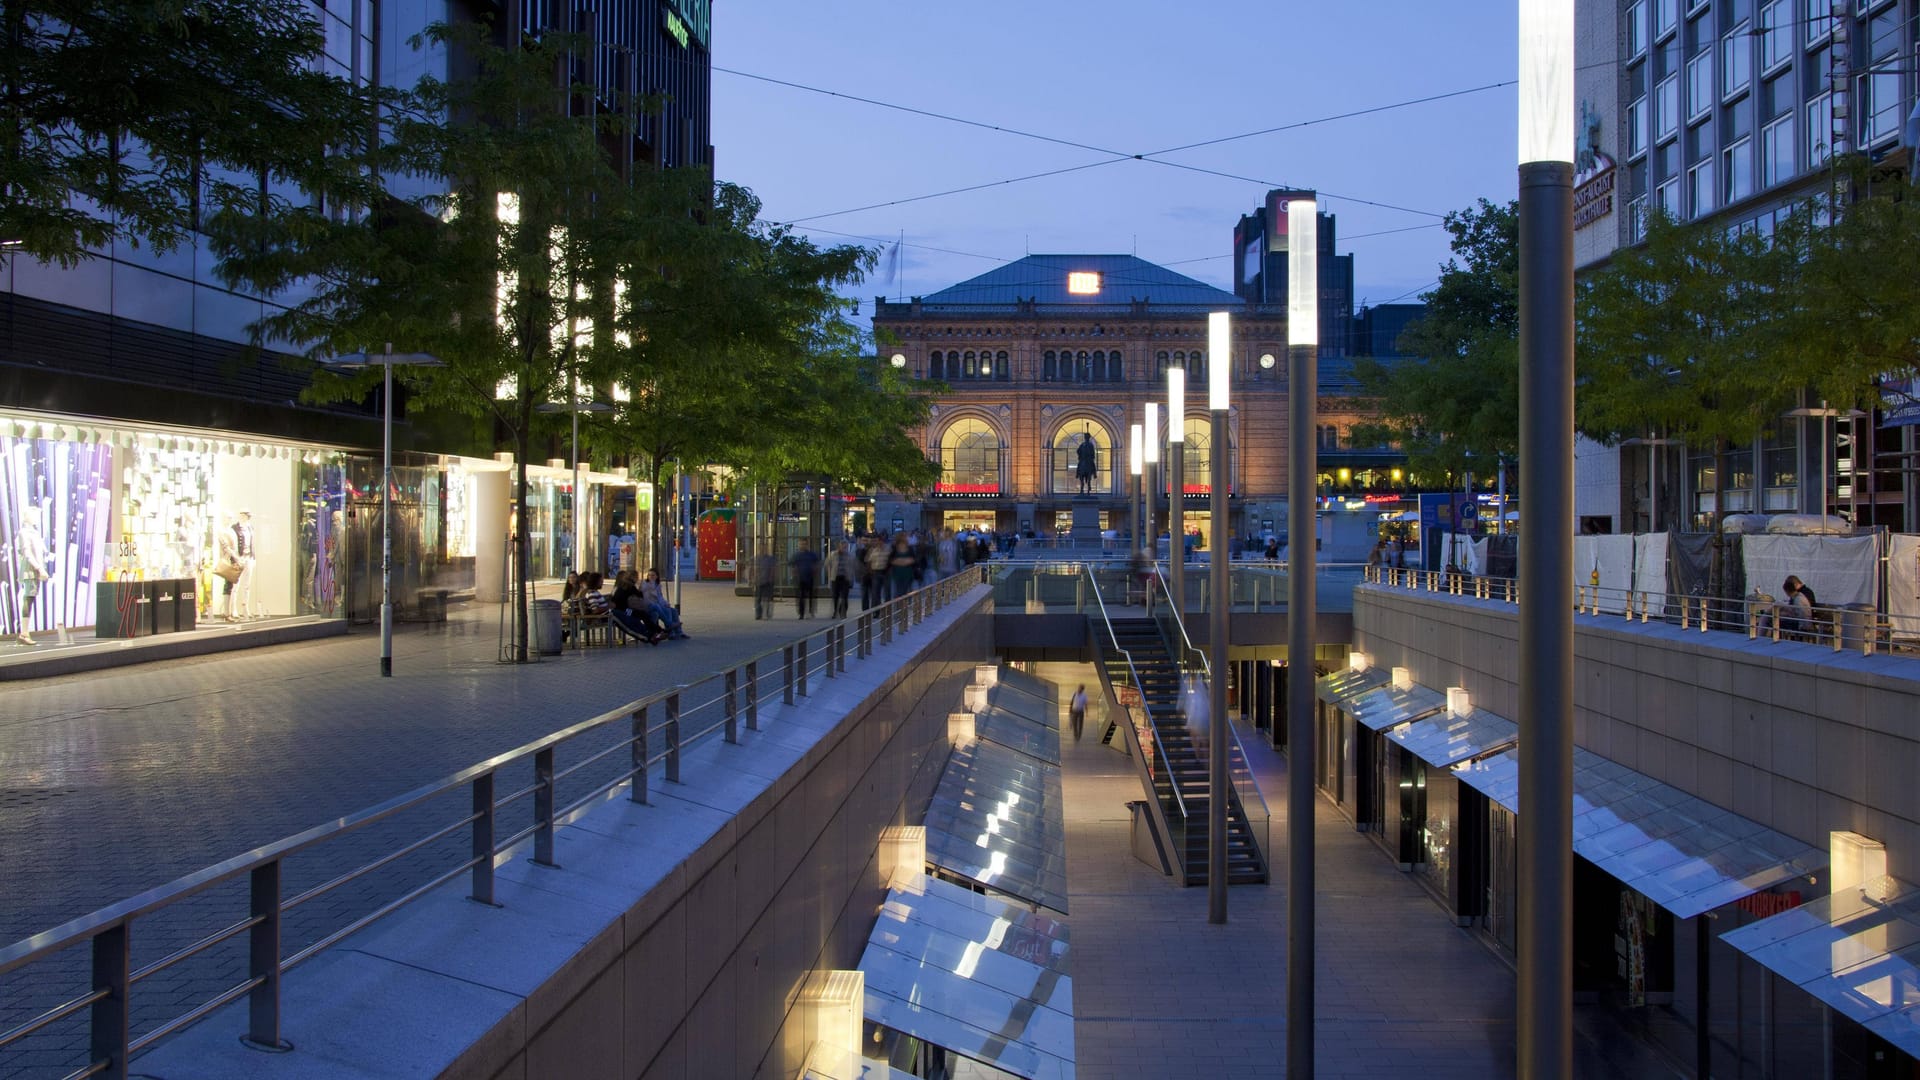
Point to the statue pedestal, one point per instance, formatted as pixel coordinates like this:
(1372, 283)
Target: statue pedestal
(1086, 521)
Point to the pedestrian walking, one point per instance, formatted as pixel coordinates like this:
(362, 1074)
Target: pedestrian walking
(805, 565)
(1077, 711)
(764, 568)
(839, 573)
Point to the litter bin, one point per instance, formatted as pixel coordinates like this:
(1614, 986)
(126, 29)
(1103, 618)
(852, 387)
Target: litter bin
(546, 627)
(1855, 623)
(432, 604)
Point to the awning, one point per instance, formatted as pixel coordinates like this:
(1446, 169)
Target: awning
(1384, 706)
(1681, 852)
(1338, 687)
(977, 976)
(995, 818)
(1855, 950)
(1031, 685)
(1444, 740)
(1017, 731)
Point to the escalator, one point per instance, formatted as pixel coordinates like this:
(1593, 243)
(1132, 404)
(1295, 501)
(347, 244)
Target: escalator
(1146, 664)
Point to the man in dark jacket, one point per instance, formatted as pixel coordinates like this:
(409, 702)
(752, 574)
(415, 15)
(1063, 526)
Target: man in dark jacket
(805, 565)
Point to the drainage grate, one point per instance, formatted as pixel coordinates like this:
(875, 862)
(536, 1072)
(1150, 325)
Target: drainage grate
(18, 798)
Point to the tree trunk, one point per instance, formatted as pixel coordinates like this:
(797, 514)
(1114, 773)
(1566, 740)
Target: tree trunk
(1716, 573)
(661, 524)
(521, 608)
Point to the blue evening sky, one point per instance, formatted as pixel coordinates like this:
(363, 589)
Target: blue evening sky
(1124, 76)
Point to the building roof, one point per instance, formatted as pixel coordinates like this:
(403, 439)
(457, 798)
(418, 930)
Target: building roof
(1042, 279)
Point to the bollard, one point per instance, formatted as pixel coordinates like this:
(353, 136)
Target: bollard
(543, 806)
(786, 692)
(263, 957)
(753, 695)
(638, 792)
(673, 736)
(481, 850)
(733, 714)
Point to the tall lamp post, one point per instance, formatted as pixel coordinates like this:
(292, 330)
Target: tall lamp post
(1177, 486)
(1546, 547)
(1136, 458)
(1219, 373)
(385, 361)
(1151, 449)
(1303, 348)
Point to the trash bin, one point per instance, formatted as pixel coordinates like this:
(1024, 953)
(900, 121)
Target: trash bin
(546, 627)
(1855, 623)
(432, 604)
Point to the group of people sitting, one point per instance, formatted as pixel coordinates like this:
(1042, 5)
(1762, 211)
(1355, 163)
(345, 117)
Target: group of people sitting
(637, 608)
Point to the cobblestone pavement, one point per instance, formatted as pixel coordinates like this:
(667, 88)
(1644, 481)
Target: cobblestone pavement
(119, 781)
(1402, 992)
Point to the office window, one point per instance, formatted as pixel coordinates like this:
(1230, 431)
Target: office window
(1700, 189)
(1667, 108)
(1776, 152)
(1666, 16)
(1818, 17)
(1879, 95)
(1700, 96)
(1637, 128)
(1636, 28)
(1636, 219)
(1776, 34)
(1819, 130)
(1736, 62)
(1739, 166)
(1666, 199)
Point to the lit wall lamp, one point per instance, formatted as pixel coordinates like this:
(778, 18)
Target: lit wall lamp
(1402, 679)
(1459, 702)
(1358, 661)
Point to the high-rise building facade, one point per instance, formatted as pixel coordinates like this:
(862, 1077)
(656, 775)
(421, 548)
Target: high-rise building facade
(1730, 111)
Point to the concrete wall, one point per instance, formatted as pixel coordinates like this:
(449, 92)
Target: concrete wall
(672, 939)
(1796, 737)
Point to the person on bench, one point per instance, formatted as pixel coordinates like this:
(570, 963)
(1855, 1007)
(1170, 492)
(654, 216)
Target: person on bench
(631, 612)
(662, 612)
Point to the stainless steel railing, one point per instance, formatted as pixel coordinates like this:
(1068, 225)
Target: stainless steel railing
(659, 728)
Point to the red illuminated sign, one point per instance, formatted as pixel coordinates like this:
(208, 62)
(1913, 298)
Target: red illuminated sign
(1766, 904)
(966, 489)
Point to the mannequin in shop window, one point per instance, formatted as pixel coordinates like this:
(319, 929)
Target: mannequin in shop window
(32, 566)
(241, 603)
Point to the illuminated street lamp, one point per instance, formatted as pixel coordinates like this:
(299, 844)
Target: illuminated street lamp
(1177, 485)
(1135, 460)
(1303, 348)
(1151, 451)
(1219, 372)
(1545, 950)
(385, 362)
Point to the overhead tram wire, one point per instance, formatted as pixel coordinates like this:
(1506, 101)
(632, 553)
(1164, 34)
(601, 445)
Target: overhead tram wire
(1153, 157)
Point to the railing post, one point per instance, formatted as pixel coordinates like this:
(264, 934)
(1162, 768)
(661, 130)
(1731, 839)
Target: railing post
(481, 850)
(865, 643)
(673, 736)
(841, 634)
(263, 957)
(786, 691)
(886, 622)
(543, 807)
(831, 651)
(753, 695)
(800, 681)
(638, 793)
(733, 711)
(1080, 595)
(110, 1021)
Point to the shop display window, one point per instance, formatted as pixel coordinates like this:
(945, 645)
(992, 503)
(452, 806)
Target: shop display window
(61, 491)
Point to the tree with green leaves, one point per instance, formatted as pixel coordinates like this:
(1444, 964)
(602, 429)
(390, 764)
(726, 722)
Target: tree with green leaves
(496, 274)
(1454, 403)
(733, 347)
(158, 114)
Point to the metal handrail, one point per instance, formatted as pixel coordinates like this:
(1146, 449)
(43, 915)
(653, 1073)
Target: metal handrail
(1206, 670)
(1133, 674)
(108, 930)
(1829, 623)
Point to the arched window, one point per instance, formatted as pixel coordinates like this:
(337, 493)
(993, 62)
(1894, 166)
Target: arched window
(1001, 370)
(1116, 371)
(970, 455)
(936, 365)
(968, 371)
(1197, 460)
(1083, 367)
(1066, 457)
(1049, 370)
(1196, 368)
(1161, 362)
(1099, 371)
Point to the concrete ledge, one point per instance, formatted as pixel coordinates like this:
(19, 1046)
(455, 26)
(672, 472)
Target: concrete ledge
(673, 938)
(95, 654)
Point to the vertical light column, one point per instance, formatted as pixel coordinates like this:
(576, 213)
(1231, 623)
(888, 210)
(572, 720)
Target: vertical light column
(1177, 486)
(1136, 460)
(1219, 373)
(386, 516)
(1151, 450)
(1303, 355)
(1546, 544)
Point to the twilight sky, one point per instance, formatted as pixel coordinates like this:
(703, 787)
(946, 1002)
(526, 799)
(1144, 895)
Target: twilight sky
(1127, 77)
